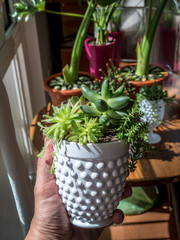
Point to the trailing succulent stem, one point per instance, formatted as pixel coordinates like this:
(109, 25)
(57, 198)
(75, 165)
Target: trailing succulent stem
(144, 48)
(135, 133)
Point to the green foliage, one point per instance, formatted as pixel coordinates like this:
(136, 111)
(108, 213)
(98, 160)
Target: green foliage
(116, 79)
(109, 105)
(70, 72)
(73, 122)
(70, 123)
(121, 115)
(86, 132)
(115, 21)
(156, 92)
(102, 16)
(135, 133)
(28, 8)
(144, 48)
(61, 123)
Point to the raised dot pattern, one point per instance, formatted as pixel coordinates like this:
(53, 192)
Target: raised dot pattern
(152, 111)
(91, 191)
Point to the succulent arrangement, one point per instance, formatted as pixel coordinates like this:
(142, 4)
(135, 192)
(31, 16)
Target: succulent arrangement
(154, 93)
(93, 117)
(152, 102)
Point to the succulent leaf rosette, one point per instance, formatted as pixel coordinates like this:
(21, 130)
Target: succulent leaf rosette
(110, 106)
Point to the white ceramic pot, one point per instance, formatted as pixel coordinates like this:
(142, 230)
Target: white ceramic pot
(91, 180)
(153, 114)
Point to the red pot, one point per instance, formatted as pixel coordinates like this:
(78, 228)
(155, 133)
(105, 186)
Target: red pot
(98, 56)
(58, 96)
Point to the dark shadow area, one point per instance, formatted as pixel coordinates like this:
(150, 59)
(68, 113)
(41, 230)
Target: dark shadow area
(56, 36)
(165, 153)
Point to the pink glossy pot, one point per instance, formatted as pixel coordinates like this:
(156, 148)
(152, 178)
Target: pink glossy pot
(99, 55)
(119, 37)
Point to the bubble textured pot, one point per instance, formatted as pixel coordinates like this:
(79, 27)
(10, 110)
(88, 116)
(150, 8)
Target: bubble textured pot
(91, 180)
(153, 114)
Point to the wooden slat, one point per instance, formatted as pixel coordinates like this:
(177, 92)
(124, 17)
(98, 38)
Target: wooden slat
(165, 167)
(157, 224)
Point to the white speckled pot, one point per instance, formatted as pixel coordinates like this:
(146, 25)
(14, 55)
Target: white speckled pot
(91, 180)
(153, 114)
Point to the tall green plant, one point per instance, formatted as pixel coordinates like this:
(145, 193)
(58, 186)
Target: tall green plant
(144, 48)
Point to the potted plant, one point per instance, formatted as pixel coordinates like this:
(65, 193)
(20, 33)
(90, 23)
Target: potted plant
(92, 141)
(102, 47)
(142, 72)
(63, 85)
(152, 102)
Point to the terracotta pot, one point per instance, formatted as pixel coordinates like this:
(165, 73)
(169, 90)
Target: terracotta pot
(138, 84)
(98, 56)
(58, 96)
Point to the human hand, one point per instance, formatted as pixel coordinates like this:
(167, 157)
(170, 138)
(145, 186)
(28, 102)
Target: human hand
(50, 219)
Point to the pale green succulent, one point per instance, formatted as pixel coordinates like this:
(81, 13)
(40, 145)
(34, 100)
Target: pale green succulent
(71, 124)
(88, 132)
(61, 123)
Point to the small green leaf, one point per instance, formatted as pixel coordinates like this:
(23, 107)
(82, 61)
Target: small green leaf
(118, 102)
(90, 110)
(91, 95)
(105, 90)
(101, 105)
